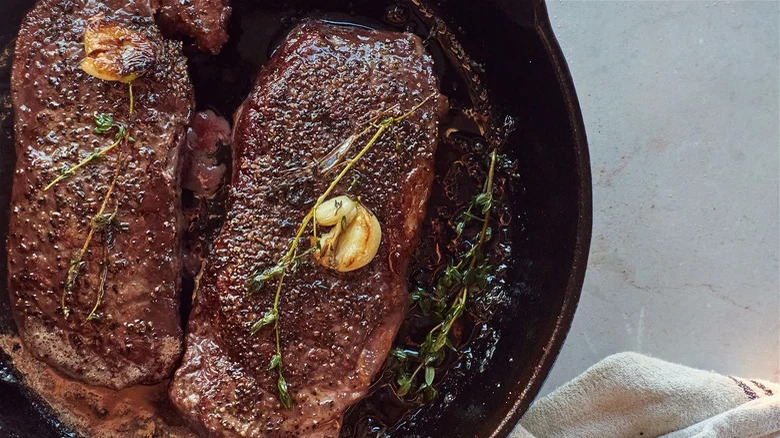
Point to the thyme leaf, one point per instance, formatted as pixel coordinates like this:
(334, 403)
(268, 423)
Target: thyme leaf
(353, 183)
(284, 394)
(276, 361)
(121, 133)
(459, 227)
(103, 123)
(256, 282)
(404, 385)
(430, 373)
(269, 318)
(485, 201)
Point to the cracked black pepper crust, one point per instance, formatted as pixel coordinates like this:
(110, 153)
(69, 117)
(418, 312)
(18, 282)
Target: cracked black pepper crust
(320, 87)
(137, 338)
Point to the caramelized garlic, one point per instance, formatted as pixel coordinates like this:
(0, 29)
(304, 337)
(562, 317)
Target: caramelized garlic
(115, 53)
(354, 239)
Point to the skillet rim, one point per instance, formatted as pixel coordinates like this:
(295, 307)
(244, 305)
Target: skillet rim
(527, 390)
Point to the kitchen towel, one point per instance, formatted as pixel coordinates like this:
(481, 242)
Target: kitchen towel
(631, 395)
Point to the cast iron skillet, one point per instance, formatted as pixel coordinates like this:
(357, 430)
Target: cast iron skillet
(522, 68)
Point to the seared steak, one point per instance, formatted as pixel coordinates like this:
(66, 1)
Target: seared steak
(323, 85)
(132, 264)
(203, 20)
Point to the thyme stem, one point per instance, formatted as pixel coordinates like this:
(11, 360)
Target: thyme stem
(75, 263)
(284, 396)
(103, 273)
(438, 336)
(130, 92)
(489, 191)
(91, 157)
(461, 300)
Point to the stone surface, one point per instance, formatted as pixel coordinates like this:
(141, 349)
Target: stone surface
(680, 101)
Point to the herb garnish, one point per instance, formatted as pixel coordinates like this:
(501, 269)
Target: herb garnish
(446, 303)
(97, 223)
(103, 124)
(105, 221)
(292, 258)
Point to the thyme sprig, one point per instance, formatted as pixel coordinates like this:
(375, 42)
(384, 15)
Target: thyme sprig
(103, 222)
(446, 307)
(104, 123)
(292, 258)
(97, 223)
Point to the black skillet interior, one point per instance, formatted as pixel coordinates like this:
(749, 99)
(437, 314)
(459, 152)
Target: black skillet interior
(518, 60)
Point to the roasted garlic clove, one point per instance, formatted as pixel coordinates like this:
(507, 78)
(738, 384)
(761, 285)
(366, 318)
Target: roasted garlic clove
(354, 239)
(115, 53)
(359, 243)
(331, 212)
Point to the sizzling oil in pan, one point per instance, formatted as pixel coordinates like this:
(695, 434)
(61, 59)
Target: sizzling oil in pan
(467, 136)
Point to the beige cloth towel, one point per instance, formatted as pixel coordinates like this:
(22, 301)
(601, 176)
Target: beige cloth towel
(631, 395)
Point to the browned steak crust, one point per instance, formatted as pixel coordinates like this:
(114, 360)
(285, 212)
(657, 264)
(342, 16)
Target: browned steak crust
(320, 87)
(137, 336)
(203, 20)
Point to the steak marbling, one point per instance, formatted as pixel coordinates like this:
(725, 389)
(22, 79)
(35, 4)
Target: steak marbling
(322, 86)
(137, 336)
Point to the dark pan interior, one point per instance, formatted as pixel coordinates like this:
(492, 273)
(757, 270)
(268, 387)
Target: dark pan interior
(516, 55)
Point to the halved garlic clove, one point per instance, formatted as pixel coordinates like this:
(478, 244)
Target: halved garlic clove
(331, 212)
(115, 53)
(353, 241)
(359, 243)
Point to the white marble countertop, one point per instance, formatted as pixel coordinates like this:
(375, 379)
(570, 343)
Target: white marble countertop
(680, 101)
